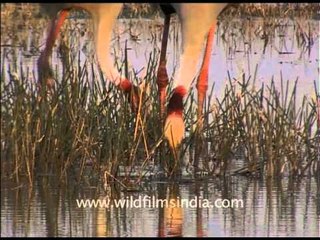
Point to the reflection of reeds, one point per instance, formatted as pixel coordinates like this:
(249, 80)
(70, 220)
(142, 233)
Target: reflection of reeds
(272, 208)
(239, 35)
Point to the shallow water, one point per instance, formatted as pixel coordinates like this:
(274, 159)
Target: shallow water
(290, 51)
(270, 208)
(241, 49)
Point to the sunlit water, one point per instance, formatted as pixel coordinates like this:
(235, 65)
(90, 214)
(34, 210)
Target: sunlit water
(271, 208)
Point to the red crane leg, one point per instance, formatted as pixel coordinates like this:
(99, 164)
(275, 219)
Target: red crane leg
(202, 84)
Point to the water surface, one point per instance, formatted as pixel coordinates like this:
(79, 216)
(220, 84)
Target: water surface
(281, 207)
(284, 207)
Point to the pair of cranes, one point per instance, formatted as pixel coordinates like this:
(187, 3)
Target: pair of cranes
(198, 24)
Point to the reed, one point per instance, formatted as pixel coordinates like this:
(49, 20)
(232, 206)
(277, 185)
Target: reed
(85, 126)
(265, 127)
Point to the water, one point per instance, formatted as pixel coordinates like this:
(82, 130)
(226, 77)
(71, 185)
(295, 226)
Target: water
(282, 207)
(290, 51)
(270, 208)
(285, 55)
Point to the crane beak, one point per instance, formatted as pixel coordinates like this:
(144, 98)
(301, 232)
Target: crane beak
(174, 127)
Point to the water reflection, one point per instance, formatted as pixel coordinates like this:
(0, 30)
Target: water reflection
(173, 215)
(286, 48)
(272, 207)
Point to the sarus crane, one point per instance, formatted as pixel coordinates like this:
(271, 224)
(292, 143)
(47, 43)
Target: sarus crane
(198, 24)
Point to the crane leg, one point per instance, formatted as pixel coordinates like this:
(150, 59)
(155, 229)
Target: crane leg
(202, 82)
